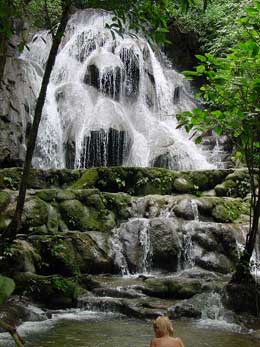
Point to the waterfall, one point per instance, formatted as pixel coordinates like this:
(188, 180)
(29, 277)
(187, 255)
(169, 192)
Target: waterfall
(195, 210)
(110, 101)
(146, 246)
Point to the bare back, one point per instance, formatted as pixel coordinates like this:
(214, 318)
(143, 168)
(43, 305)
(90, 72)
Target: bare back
(166, 341)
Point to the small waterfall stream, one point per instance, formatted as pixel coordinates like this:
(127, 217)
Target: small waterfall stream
(110, 101)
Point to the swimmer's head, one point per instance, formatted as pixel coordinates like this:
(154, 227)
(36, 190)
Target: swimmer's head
(162, 326)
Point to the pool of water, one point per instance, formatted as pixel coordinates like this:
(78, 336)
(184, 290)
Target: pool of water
(92, 329)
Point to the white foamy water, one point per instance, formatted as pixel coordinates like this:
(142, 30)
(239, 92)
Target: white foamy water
(110, 101)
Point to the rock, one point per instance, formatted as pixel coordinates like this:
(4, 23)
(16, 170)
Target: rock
(181, 185)
(7, 286)
(166, 244)
(184, 209)
(17, 101)
(104, 72)
(215, 262)
(5, 199)
(36, 213)
(79, 217)
(242, 297)
(226, 211)
(55, 291)
(174, 288)
(183, 310)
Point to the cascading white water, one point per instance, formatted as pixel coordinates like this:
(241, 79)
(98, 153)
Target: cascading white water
(110, 101)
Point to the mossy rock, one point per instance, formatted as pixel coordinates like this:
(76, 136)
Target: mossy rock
(10, 178)
(20, 256)
(91, 198)
(134, 181)
(36, 213)
(53, 291)
(182, 185)
(119, 203)
(39, 179)
(79, 217)
(206, 179)
(48, 195)
(7, 286)
(58, 256)
(5, 199)
(172, 288)
(87, 180)
(4, 222)
(65, 194)
(226, 211)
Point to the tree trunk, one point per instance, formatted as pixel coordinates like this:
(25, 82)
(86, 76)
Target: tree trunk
(15, 225)
(242, 273)
(12, 331)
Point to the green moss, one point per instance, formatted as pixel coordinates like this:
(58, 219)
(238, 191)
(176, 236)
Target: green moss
(87, 180)
(5, 199)
(226, 211)
(65, 194)
(79, 217)
(48, 195)
(119, 203)
(36, 212)
(7, 286)
(172, 288)
(54, 291)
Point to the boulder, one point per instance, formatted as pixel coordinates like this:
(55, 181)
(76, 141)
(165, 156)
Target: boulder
(172, 288)
(54, 291)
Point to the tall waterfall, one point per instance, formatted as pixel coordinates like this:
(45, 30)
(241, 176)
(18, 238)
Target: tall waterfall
(110, 101)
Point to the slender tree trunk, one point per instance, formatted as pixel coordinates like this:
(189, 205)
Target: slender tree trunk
(12, 331)
(242, 273)
(15, 225)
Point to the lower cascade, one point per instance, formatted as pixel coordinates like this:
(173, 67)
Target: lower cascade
(109, 244)
(110, 102)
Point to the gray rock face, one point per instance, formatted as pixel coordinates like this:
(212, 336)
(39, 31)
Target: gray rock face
(17, 101)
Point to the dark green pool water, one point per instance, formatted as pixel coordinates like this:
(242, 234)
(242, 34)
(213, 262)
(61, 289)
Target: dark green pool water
(87, 329)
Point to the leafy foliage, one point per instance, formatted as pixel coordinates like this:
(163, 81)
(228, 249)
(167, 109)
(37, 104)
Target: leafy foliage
(232, 106)
(217, 27)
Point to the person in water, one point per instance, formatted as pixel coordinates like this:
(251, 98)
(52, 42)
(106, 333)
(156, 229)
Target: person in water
(163, 331)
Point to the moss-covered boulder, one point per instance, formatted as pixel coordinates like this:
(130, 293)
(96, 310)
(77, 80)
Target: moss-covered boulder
(226, 211)
(181, 185)
(172, 288)
(73, 253)
(5, 199)
(7, 286)
(53, 291)
(243, 296)
(134, 181)
(236, 184)
(35, 213)
(20, 256)
(79, 217)
(38, 179)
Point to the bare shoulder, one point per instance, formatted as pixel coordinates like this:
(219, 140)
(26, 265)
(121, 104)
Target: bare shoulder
(153, 343)
(179, 342)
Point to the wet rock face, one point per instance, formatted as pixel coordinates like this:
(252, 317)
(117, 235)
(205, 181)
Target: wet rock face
(108, 83)
(16, 101)
(105, 148)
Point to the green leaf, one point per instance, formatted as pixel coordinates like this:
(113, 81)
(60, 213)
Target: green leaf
(201, 58)
(198, 140)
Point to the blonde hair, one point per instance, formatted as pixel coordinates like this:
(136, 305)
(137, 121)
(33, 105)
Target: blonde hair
(164, 325)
